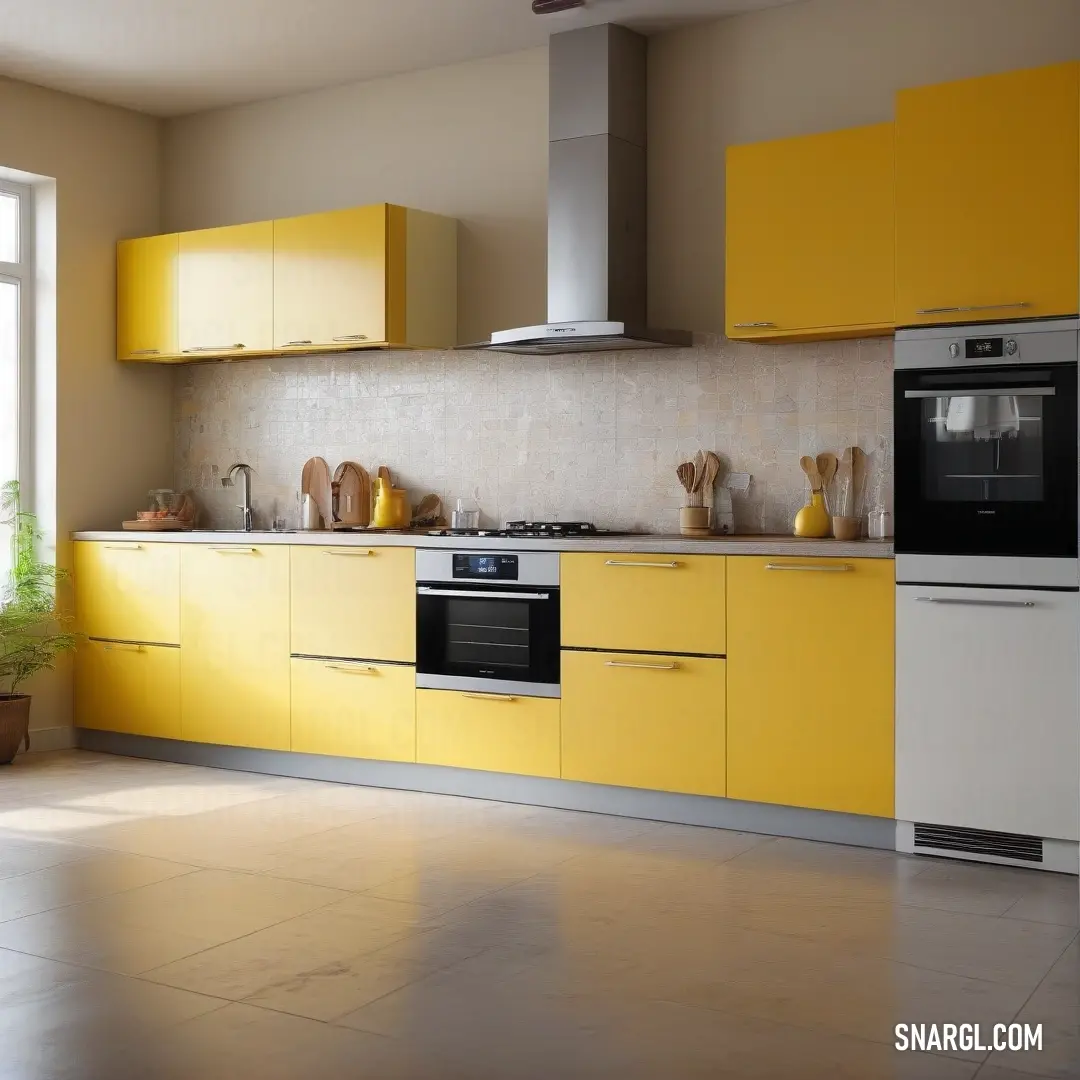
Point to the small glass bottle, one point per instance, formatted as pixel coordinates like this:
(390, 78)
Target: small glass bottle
(879, 524)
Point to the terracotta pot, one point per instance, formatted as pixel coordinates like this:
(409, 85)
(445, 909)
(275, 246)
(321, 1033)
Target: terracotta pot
(14, 725)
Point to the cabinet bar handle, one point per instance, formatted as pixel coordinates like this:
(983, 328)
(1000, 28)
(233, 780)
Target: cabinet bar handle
(645, 667)
(347, 551)
(490, 697)
(306, 341)
(215, 348)
(975, 603)
(124, 648)
(330, 341)
(835, 568)
(749, 325)
(123, 547)
(145, 352)
(351, 337)
(657, 565)
(971, 307)
(233, 550)
(354, 669)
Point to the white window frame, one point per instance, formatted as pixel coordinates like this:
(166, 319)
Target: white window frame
(22, 274)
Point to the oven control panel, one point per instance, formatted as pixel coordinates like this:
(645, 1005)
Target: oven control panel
(487, 567)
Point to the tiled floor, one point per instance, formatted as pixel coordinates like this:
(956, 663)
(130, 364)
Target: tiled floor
(165, 921)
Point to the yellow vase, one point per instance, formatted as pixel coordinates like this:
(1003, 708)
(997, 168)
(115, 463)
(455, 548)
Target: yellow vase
(813, 519)
(392, 510)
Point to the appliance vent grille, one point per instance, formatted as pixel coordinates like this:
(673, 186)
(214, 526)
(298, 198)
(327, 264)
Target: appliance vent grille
(980, 842)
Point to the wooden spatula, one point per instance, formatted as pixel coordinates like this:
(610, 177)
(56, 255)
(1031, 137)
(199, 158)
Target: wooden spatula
(826, 467)
(809, 466)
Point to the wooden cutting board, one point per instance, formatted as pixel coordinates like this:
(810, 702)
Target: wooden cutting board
(316, 481)
(354, 494)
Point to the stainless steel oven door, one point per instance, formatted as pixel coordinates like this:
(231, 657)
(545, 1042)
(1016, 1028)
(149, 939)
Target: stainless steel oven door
(488, 638)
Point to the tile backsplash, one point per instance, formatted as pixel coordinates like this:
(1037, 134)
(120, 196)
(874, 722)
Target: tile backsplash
(589, 436)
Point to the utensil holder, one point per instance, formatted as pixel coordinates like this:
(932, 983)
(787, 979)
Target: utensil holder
(694, 520)
(846, 528)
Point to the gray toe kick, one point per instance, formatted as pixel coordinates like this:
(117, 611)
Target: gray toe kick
(702, 810)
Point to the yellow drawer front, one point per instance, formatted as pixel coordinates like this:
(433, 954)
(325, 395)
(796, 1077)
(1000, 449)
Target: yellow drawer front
(644, 721)
(128, 590)
(133, 689)
(488, 731)
(354, 602)
(354, 710)
(810, 683)
(653, 603)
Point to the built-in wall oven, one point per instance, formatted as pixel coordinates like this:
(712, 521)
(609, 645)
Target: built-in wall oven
(987, 600)
(488, 621)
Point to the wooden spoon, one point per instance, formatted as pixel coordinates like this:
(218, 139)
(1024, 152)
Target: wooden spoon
(826, 466)
(712, 471)
(809, 466)
(685, 473)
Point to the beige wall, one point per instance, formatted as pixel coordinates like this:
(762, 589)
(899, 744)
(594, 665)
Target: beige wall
(806, 67)
(114, 437)
(468, 140)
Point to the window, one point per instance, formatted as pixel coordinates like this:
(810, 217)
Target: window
(16, 282)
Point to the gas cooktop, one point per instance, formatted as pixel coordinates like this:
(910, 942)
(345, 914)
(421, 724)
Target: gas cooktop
(538, 530)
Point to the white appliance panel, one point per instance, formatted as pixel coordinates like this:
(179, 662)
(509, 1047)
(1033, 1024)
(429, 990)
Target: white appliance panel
(988, 709)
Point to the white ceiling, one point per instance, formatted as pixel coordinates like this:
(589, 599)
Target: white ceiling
(170, 57)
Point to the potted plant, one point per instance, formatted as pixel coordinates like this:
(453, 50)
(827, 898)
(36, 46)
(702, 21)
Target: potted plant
(32, 632)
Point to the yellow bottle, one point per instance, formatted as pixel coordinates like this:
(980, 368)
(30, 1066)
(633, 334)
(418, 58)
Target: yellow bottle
(813, 519)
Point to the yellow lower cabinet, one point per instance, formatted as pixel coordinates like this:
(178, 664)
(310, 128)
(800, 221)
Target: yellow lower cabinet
(133, 689)
(354, 709)
(646, 721)
(497, 732)
(234, 637)
(810, 682)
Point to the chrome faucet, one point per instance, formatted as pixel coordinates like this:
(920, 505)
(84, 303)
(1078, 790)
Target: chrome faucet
(244, 472)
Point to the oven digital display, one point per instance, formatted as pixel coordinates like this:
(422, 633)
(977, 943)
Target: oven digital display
(486, 567)
(975, 348)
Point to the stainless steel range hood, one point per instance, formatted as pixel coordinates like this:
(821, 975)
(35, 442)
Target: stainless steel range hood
(596, 201)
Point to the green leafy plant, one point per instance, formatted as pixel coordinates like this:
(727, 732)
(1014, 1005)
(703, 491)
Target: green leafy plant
(32, 632)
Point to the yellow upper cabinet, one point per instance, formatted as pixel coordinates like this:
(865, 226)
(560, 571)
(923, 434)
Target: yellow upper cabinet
(146, 298)
(128, 590)
(643, 601)
(226, 292)
(370, 275)
(330, 279)
(988, 197)
(354, 602)
(810, 236)
(234, 645)
(810, 683)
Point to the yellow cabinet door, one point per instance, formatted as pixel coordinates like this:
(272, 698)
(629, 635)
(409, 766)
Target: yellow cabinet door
(227, 290)
(354, 602)
(133, 689)
(234, 638)
(988, 197)
(351, 709)
(644, 721)
(811, 235)
(146, 297)
(128, 590)
(495, 732)
(330, 279)
(640, 601)
(810, 683)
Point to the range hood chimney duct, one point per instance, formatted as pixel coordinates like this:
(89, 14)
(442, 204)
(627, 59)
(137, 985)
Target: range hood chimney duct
(596, 200)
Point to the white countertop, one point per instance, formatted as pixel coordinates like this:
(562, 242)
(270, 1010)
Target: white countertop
(650, 543)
